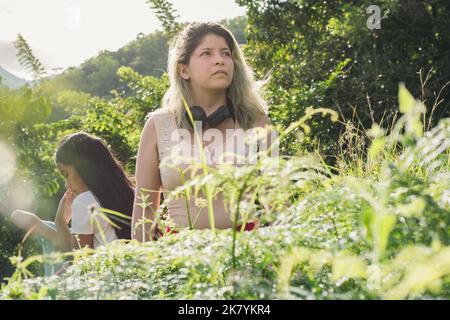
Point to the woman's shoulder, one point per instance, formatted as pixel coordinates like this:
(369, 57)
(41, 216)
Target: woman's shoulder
(161, 112)
(86, 198)
(157, 117)
(263, 120)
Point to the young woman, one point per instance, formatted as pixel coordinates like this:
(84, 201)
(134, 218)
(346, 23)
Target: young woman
(93, 179)
(207, 68)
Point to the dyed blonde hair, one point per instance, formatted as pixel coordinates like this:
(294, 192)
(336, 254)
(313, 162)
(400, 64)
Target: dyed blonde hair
(244, 91)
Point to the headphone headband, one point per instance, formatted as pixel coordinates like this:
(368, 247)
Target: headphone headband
(217, 117)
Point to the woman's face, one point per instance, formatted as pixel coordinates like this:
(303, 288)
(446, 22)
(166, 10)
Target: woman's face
(74, 182)
(211, 66)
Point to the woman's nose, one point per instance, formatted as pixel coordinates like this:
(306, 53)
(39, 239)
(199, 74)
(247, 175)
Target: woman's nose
(219, 59)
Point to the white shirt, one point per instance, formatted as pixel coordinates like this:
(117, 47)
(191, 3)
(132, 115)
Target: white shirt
(83, 221)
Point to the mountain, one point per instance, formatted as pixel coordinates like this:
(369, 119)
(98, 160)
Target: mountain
(13, 73)
(10, 80)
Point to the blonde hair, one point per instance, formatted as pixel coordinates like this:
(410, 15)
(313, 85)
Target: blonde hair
(244, 91)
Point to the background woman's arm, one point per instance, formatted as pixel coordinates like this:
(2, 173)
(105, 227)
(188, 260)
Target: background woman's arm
(61, 220)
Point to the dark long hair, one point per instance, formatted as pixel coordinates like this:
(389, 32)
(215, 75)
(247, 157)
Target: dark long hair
(102, 173)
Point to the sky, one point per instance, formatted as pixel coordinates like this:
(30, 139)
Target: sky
(65, 33)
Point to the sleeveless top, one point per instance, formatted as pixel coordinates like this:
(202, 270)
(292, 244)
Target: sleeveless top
(169, 144)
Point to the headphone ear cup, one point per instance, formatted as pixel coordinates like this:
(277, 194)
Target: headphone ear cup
(198, 114)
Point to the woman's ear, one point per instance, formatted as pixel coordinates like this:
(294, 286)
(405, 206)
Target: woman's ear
(183, 70)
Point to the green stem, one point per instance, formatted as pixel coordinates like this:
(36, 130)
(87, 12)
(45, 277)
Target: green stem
(186, 200)
(236, 216)
(204, 170)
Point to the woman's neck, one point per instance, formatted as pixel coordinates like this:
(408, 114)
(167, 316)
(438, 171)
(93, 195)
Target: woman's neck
(81, 190)
(209, 101)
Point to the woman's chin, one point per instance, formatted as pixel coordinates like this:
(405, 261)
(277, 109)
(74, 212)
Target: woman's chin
(220, 86)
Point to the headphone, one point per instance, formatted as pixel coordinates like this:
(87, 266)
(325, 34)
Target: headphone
(198, 114)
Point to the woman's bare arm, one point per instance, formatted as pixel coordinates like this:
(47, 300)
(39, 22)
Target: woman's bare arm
(147, 177)
(31, 223)
(61, 220)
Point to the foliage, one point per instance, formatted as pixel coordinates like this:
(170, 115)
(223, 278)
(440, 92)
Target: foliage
(328, 236)
(373, 226)
(11, 241)
(166, 14)
(322, 53)
(27, 59)
(21, 108)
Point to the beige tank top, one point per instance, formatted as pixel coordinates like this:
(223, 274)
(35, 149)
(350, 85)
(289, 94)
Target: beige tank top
(169, 167)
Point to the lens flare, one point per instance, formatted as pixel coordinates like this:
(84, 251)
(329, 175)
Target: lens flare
(7, 164)
(20, 195)
(15, 192)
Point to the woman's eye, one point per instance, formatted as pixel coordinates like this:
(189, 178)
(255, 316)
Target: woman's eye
(227, 54)
(206, 53)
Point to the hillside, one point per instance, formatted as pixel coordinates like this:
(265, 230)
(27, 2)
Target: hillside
(10, 80)
(147, 55)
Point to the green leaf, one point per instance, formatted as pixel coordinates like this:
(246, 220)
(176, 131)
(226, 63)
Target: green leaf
(376, 146)
(368, 217)
(405, 98)
(385, 226)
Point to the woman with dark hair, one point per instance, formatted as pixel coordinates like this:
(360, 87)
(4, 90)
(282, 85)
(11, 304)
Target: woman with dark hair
(94, 179)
